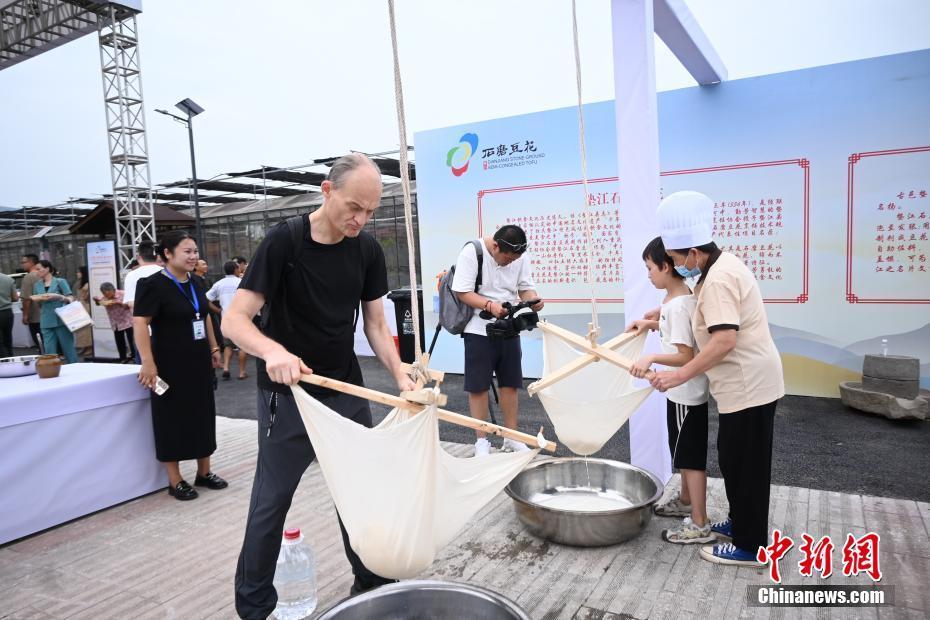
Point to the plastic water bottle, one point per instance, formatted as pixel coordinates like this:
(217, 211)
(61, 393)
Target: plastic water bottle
(884, 347)
(295, 578)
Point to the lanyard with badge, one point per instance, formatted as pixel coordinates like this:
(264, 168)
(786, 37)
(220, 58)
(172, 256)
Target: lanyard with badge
(199, 326)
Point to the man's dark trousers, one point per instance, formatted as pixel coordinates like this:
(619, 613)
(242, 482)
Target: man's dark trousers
(6, 333)
(284, 455)
(35, 330)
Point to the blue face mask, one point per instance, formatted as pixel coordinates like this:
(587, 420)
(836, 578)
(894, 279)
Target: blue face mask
(684, 272)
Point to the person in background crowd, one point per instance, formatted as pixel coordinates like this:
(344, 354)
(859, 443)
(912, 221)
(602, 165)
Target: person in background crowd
(84, 337)
(8, 296)
(29, 262)
(243, 264)
(739, 356)
(55, 293)
(182, 351)
(133, 265)
(223, 292)
(120, 320)
(200, 277)
(148, 265)
(200, 274)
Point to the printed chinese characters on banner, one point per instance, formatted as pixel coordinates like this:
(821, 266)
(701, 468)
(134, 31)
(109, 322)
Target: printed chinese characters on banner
(750, 230)
(559, 247)
(901, 236)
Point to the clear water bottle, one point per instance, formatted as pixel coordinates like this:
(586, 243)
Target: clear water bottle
(884, 347)
(295, 578)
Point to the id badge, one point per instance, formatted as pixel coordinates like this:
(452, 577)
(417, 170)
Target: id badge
(200, 330)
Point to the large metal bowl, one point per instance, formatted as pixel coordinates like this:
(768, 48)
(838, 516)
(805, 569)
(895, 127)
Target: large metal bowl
(426, 600)
(18, 366)
(591, 504)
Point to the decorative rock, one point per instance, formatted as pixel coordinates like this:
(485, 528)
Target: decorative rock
(902, 388)
(853, 395)
(896, 367)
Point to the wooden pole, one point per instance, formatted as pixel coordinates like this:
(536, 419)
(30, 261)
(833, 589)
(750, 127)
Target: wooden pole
(448, 416)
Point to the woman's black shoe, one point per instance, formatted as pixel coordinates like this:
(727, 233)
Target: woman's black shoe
(183, 491)
(211, 481)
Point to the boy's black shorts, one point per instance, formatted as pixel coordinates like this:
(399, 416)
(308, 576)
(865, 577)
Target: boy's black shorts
(687, 435)
(485, 355)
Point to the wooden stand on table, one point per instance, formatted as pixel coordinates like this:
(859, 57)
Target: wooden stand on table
(448, 416)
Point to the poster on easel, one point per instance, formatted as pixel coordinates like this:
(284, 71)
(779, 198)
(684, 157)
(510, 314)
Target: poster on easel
(101, 267)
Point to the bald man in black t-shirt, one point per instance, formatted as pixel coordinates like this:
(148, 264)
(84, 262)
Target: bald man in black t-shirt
(311, 325)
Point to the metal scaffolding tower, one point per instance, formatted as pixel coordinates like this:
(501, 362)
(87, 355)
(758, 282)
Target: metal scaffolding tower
(128, 144)
(31, 27)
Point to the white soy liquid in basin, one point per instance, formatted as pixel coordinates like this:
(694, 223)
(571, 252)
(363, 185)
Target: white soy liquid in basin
(581, 499)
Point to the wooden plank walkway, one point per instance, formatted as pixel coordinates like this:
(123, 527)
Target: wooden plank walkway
(155, 557)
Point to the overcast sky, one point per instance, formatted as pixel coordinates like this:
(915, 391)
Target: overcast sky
(285, 82)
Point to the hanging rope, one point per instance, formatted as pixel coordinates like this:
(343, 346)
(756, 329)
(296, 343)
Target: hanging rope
(408, 208)
(584, 172)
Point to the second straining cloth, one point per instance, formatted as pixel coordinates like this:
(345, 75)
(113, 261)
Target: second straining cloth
(588, 406)
(401, 496)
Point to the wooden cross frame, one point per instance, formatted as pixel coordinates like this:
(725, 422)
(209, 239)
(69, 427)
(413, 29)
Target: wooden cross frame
(595, 352)
(448, 416)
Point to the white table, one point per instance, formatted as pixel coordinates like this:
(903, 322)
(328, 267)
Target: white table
(73, 445)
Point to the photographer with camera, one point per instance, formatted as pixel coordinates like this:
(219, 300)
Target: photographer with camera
(505, 279)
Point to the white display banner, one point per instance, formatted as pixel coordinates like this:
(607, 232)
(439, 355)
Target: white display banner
(637, 135)
(101, 267)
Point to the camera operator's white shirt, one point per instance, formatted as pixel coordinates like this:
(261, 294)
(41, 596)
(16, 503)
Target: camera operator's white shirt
(498, 283)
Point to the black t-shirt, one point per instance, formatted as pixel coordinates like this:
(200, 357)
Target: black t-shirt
(323, 292)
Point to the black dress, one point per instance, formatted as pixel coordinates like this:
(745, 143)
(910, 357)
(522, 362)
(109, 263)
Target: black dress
(184, 417)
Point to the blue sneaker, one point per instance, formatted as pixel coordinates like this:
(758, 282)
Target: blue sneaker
(723, 529)
(728, 553)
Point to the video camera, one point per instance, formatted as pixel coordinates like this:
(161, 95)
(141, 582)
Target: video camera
(519, 318)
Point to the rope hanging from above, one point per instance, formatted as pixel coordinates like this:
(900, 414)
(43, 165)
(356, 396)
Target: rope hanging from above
(595, 329)
(408, 207)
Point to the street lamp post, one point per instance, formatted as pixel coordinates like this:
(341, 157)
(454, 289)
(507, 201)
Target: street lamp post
(191, 109)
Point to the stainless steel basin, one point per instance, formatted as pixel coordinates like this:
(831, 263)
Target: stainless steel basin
(427, 600)
(18, 366)
(594, 505)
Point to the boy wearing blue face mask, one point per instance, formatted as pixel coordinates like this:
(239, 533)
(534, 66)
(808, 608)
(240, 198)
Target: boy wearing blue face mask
(686, 404)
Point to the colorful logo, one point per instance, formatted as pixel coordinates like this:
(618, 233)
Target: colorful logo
(458, 156)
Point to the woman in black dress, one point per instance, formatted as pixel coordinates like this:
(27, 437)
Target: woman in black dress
(182, 350)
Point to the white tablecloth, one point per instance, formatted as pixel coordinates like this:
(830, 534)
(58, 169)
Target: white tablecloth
(73, 445)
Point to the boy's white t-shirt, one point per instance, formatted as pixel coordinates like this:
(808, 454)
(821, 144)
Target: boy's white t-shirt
(675, 328)
(498, 283)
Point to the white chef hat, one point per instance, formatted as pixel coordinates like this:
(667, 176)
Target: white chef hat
(686, 220)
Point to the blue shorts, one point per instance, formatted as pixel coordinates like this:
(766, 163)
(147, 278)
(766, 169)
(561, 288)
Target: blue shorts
(484, 356)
